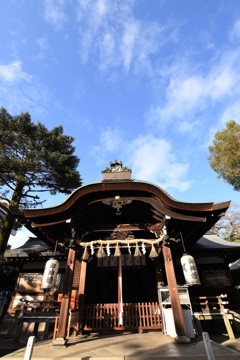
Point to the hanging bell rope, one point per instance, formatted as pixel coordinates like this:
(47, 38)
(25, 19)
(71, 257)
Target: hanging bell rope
(153, 253)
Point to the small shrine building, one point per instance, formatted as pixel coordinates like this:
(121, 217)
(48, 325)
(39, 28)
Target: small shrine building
(133, 257)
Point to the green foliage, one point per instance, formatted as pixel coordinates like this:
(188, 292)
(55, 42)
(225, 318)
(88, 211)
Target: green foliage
(33, 160)
(225, 154)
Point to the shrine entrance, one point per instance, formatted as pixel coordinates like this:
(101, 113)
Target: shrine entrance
(121, 218)
(140, 308)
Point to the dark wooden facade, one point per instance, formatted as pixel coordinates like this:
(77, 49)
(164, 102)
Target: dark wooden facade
(130, 215)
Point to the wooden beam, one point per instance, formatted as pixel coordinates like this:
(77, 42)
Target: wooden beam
(81, 293)
(64, 310)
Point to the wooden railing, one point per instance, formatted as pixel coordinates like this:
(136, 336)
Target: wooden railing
(36, 312)
(218, 304)
(212, 308)
(140, 316)
(41, 306)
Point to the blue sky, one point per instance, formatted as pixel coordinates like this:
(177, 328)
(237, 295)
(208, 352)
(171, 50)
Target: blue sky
(145, 82)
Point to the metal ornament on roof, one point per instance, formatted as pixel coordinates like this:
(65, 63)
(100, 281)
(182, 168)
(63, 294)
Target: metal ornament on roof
(117, 204)
(50, 274)
(190, 270)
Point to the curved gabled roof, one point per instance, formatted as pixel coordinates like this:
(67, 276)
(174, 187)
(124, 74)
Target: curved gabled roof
(132, 185)
(96, 210)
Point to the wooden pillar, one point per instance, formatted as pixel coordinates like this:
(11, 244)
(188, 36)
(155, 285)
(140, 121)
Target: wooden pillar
(81, 293)
(64, 310)
(120, 295)
(175, 301)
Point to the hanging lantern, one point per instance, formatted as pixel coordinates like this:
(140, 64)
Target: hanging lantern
(50, 274)
(190, 270)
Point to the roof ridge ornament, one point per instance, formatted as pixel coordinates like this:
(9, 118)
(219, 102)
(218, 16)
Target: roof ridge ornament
(116, 171)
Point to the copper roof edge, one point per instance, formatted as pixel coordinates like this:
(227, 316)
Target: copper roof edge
(168, 199)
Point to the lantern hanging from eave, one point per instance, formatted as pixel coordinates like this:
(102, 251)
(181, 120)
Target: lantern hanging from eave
(50, 274)
(190, 270)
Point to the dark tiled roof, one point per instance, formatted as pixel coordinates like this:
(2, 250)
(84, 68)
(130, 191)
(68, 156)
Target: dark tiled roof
(33, 246)
(212, 241)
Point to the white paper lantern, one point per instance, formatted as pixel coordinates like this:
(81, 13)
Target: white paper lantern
(50, 274)
(190, 270)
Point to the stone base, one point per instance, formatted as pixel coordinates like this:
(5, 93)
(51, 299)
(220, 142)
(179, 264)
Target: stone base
(59, 342)
(182, 339)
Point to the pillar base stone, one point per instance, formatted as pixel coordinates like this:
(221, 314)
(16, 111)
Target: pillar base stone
(183, 339)
(60, 341)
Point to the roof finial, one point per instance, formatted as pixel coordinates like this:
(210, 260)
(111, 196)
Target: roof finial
(116, 171)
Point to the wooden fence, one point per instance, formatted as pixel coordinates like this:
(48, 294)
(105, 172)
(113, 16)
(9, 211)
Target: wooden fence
(140, 316)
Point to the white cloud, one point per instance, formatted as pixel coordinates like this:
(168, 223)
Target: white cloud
(189, 92)
(151, 159)
(154, 160)
(43, 45)
(54, 12)
(185, 127)
(221, 83)
(90, 15)
(231, 112)
(129, 38)
(110, 143)
(107, 50)
(20, 91)
(235, 33)
(13, 72)
(111, 139)
(109, 31)
(101, 7)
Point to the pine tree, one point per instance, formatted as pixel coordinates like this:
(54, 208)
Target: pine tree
(33, 159)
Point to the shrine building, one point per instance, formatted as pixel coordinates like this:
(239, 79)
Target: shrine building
(122, 254)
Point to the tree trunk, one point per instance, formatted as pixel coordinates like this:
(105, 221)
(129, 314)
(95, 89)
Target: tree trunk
(5, 232)
(9, 220)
